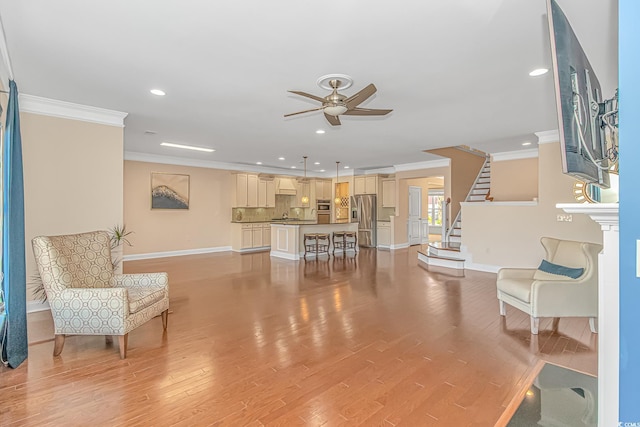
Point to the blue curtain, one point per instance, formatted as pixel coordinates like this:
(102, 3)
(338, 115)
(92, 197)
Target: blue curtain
(15, 343)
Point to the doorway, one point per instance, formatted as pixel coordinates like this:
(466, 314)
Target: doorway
(415, 210)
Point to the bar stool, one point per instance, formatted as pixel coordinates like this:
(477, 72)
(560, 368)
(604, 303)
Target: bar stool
(345, 240)
(316, 243)
(351, 241)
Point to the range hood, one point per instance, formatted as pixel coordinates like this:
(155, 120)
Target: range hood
(285, 186)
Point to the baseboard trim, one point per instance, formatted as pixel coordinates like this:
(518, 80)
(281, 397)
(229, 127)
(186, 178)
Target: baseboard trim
(399, 246)
(250, 250)
(167, 254)
(284, 255)
(34, 306)
(481, 267)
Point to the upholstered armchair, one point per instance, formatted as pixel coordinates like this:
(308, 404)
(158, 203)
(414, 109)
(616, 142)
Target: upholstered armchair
(85, 295)
(550, 291)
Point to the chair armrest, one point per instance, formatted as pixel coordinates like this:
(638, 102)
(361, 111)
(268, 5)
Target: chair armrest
(516, 273)
(142, 280)
(114, 300)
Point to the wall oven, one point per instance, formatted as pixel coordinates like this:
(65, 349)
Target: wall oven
(324, 206)
(323, 211)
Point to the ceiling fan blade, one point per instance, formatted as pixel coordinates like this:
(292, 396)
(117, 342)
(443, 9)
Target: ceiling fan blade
(357, 99)
(334, 120)
(305, 111)
(366, 112)
(308, 95)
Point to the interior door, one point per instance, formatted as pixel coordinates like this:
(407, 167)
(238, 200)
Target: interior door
(415, 209)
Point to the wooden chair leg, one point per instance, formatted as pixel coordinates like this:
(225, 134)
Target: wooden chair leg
(58, 344)
(554, 325)
(165, 318)
(108, 339)
(122, 343)
(503, 309)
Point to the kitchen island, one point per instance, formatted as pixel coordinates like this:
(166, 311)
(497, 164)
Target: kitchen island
(287, 237)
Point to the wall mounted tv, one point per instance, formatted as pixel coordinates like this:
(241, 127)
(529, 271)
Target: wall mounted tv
(579, 103)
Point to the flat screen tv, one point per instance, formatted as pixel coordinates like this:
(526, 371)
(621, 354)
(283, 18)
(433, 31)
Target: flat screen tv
(579, 103)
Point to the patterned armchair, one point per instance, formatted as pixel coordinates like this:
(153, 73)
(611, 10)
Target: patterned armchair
(85, 295)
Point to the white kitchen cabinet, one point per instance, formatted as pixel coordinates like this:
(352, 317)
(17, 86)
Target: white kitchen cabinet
(367, 184)
(266, 235)
(384, 234)
(256, 236)
(266, 193)
(246, 190)
(388, 193)
(247, 236)
(324, 189)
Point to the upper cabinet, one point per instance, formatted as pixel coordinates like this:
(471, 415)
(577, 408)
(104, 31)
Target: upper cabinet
(253, 191)
(323, 189)
(388, 193)
(266, 193)
(367, 184)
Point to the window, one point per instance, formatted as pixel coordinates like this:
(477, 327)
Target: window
(434, 205)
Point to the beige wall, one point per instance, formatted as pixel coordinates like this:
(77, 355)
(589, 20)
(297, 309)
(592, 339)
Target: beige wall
(465, 167)
(72, 178)
(503, 235)
(399, 234)
(514, 180)
(206, 224)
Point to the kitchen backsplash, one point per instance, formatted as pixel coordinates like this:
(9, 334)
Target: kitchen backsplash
(283, 204)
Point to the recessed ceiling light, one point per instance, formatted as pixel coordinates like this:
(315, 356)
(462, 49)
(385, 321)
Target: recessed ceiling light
(346, 167)
(320, 131)
(158, 92)
(280, 158)
(293, 167)
(316, 163)
(187, 147)
(526, 143)
(322, 170)
(258, 163)
(538, 72)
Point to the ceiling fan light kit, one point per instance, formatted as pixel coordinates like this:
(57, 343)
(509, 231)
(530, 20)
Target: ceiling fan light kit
(337, 104)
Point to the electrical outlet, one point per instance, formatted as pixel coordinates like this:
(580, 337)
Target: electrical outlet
(564, 218)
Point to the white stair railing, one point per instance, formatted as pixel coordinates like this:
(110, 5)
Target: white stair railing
(473, 186)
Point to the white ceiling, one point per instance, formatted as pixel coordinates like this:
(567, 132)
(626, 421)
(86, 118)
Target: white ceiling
(454, 72)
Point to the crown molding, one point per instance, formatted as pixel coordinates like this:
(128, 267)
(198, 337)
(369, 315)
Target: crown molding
(440, 163)
(547, 136)
(514, 155)
(210, 164)
(68, 110)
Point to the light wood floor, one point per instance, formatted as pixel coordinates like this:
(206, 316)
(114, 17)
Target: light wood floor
(375, 341)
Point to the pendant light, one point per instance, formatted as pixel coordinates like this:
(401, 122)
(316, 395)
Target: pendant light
(337, 200)
(305, 198)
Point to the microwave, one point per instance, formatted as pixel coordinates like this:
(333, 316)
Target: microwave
(324, 205)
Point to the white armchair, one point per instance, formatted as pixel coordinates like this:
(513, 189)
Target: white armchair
(541, 294)
(85, 296)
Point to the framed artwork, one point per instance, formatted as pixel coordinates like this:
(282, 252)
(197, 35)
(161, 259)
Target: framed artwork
(169, 191)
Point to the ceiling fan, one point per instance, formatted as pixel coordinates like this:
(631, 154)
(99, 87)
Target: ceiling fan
(336, 104)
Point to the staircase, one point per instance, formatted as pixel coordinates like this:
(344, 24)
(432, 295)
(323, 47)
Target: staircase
(447, 253)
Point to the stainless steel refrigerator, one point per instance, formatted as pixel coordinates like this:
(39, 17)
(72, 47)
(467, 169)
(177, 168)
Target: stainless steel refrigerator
(363, 211)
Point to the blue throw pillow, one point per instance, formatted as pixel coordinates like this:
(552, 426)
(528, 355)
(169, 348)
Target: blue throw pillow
(549, 267)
